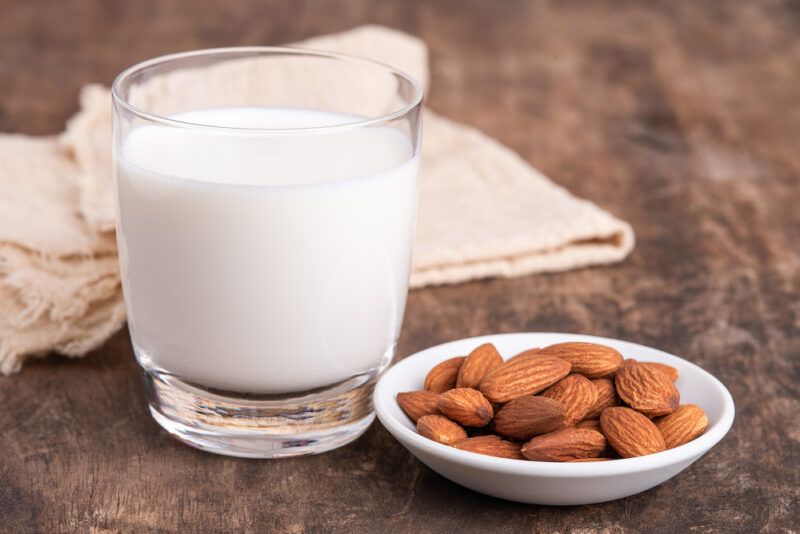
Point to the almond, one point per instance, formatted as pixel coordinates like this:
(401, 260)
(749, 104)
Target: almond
(576, 393)
(478, 364)
(565, 445)
(418, 403)
(569, 402)
(466, 406)
(523, 376)
(630, 433)
(588, 359)
(491, 445)
(440, 428)
(606, 397)
(646, 389)
(525, 417)
(592, 424)
(670, 371)
(683, 425)
(443, 376)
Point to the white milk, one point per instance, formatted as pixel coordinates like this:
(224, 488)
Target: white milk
(265, 264)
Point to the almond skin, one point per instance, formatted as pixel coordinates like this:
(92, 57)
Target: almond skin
(592, 424)
(417, 404)
(683, 425)
(443, 376)
(670, 371)
(565, 445)
(491, 445)
(576, 393)
(525, 353)
(440, 428)
(523, 376)
(466, 406)
(646, 389)
(478, 364)
(525, 417)
(588, 359)
(606, 397)
(630, 433)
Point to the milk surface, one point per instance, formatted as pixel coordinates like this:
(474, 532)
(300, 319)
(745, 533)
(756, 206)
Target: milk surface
(265, 263)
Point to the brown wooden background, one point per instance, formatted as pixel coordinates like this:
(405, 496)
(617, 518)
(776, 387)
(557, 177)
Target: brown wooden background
(681, 117)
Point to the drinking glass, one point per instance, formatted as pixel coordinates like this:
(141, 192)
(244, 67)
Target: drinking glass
(266, 200)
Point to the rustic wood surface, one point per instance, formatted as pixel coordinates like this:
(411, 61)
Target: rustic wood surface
(680, 117)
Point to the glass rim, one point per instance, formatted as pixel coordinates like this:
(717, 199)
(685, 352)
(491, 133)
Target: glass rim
(414, 102)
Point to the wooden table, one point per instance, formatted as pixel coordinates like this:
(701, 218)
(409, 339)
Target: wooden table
(680, 117)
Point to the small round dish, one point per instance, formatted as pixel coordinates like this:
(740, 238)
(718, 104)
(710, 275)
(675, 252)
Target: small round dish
(547, 482)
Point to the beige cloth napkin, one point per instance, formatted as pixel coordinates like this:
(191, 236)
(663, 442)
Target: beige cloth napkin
(483, 212)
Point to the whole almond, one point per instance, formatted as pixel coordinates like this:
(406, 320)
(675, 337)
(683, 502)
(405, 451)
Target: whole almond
(606, 397)
(646, 389)
(588, 359)
(525, 417)
(630, 433)
(565, 445)
(417, 404)
(683, 425)
(443, 376)
(440, 428)
(466, 406)
(491, 445)
(523, 376)
(576, 393)
(670, 371)
(478, 364)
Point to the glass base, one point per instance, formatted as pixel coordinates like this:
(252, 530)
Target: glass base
(267, 426)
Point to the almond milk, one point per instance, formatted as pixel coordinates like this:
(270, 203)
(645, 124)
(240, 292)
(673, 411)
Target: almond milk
(265, 262)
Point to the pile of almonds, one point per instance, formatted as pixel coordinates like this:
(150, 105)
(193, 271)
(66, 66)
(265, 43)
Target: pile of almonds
(570, 402)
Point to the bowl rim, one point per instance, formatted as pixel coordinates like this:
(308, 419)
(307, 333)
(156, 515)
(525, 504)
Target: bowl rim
(688, 452)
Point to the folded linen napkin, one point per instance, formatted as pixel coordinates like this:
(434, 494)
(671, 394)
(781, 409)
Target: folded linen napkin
(483, 212)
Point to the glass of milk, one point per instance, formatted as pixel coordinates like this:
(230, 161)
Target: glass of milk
(266, 204)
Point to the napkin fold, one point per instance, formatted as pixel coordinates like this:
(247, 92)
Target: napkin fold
(484, 212)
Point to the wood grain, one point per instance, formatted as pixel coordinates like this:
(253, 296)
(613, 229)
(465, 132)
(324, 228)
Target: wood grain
(680, 117)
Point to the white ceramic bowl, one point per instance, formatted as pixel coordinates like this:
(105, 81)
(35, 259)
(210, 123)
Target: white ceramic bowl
(547, 482)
